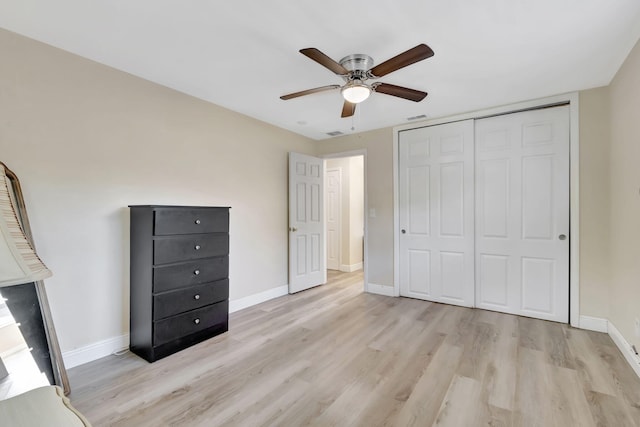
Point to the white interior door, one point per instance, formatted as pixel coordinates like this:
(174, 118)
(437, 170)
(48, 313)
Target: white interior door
(522, 213)
(334, 215)
(307, 261)
(436, 213)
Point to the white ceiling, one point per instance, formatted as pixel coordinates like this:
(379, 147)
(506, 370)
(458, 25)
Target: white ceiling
(243, 54)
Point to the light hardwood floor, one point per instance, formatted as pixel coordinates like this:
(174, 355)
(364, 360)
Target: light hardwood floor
(334, 355)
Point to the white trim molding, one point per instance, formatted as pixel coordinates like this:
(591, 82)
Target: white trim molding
(251, 300)
(625, 348)
(97, 350)
(351, 268)
(597, 324)
(387, 291)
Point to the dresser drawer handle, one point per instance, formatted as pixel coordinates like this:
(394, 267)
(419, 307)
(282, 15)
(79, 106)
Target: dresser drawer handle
(197, 221)
(197, 247)
(196, 272)
(196, 296)
(197, 321)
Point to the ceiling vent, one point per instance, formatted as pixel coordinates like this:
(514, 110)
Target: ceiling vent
(335, 133)
(421, 116)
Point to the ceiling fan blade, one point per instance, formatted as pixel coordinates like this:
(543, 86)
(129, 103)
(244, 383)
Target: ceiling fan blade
(324, 60)
(309, 91)
(411, 56)
(348, 109)
(399, 91)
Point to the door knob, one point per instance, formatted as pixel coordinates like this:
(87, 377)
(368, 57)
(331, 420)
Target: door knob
(562, 236)
(403, 231)
(293, 229)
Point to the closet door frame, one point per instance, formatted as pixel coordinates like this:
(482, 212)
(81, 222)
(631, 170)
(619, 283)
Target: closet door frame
(570, 99)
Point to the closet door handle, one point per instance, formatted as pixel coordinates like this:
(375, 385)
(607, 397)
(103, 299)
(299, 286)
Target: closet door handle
(403, 231)
(562, 237)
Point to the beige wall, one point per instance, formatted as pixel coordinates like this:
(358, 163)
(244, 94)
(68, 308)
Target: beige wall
(594, 202)
(87, 140)
(624, 241)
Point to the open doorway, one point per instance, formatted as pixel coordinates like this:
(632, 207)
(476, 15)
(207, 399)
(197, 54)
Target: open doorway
(345, 208)
(307, 218)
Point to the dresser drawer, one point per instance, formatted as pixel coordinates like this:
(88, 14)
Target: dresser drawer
(192, 246)
(190, 221)
(188, 323)
(175, 276)
(173, 302)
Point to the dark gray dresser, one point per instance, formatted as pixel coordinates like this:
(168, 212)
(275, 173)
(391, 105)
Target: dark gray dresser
(179, 277)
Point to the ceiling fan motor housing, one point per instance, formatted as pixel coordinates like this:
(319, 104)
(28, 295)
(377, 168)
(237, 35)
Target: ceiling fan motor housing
(358, 64)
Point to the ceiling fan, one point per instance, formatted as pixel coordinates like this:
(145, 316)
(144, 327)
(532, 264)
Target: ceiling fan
(356, 69)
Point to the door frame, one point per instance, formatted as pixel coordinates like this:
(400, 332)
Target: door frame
(365, 253)
(571, 99)
(326, 214)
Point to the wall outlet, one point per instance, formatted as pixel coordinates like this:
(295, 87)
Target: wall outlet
(637, 325)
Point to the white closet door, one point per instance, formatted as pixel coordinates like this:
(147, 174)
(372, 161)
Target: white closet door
(522, 213)
(436, 213)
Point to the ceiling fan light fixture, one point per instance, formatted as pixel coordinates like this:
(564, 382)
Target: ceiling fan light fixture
(355, 92)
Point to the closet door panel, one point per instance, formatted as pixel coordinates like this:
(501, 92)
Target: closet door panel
(522, 213)
(436, 213)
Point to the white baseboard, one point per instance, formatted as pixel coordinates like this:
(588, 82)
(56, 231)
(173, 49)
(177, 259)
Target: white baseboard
(239, 304)
(372, 288)
(597, 324)
(625, 348)
(91, 352)
(351, 268)
(97, 350)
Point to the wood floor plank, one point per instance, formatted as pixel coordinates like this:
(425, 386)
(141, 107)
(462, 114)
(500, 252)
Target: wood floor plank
(461, 405)
(334, 355)
(568, 406)
(532, 397)
(398, 377)
(609, 411)
(622, 374)
(423, 404)
(479, 348)
(501, 373)
(594, 373)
